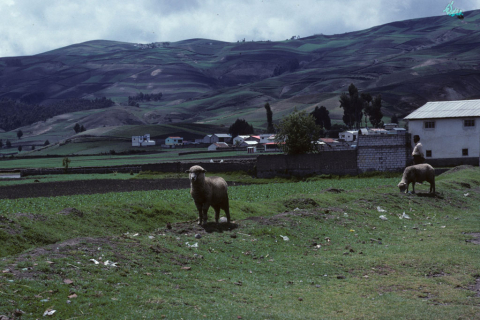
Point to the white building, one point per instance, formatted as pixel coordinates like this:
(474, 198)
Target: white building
(449, 131)
(174, 141)
(217, 146)
(239, 139)
(142, 141)
(221, 137)
(348, 135)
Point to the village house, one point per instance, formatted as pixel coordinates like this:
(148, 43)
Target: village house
(239, 139)
(449, 131)
(217, 145)
(142, 141)
(221, 137)
(174, 141)
(207, 138)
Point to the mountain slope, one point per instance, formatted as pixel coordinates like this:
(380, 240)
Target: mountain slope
(408, 62)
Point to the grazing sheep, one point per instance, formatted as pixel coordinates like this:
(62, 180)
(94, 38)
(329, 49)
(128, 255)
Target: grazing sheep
(206, 192)
(417, 173)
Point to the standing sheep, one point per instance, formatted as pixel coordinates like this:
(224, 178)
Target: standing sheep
(417, 173)
(206, 192)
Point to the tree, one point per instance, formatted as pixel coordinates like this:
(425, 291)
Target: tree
(19, 134)
(322, 117)
(82, 128)
(352, 105)
(297, 132)
(65, 164)
(8, 144)
(76, 128)
(240, 127)
(19, 148)
(1, 143)
(394, 119)
(367, 104)
(375, 114)
(33, 147)
(46, 143)
(270, 128)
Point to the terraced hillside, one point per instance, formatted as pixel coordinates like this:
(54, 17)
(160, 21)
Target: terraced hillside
(207, 81)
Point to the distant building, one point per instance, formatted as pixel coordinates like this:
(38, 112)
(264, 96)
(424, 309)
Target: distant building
(449, 131)
(221, 137)
(248, 144)
(142, 141)
(239, 139)
(348, 136)
(207, 138)
(174, 141)
(217, 145)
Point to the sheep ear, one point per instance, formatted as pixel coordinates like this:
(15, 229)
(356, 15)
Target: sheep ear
(204, 171)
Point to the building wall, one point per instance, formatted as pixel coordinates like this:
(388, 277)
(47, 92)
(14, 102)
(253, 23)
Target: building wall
(383, 152)
(230, 166)
(339, 163)
(448, 138)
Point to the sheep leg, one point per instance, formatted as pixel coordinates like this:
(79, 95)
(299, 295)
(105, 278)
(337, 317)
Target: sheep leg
(432, 187)
(217, 213)
(227, 213)
(200, 217)
(413, 186)
(205, 213)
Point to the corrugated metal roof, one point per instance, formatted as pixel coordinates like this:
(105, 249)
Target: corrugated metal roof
(446, 109)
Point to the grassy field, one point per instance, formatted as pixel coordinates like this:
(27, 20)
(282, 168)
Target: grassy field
(115, 160)
(316, 249)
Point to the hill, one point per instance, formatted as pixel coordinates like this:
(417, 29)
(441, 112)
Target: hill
(206, 81)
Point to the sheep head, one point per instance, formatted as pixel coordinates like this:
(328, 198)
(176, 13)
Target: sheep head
(196, 172)
(402, 186)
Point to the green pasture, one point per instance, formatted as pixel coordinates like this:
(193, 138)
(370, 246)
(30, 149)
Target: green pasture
(114, 160)
(315, 249)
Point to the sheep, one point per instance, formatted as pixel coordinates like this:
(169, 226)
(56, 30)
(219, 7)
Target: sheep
(206, 192)
(417, 173)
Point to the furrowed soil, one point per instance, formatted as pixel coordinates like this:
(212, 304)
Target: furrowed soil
(67, 188)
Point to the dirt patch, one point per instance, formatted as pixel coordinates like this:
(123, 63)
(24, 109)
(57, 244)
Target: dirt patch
(300, 203)
(476, 287)
(437, 274)
(71, 211)
(334, 190)
(87, 245)
(192, 227)
(67, 188)
(476, 238)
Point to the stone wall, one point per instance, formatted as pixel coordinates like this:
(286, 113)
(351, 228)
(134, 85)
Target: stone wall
(383, 152)
(226, 166)
(38, 172)
(338, 163)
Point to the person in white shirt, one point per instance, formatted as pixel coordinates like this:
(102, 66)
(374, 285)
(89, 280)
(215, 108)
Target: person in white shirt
(418, 154)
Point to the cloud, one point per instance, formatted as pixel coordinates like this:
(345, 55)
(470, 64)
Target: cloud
(31, 27)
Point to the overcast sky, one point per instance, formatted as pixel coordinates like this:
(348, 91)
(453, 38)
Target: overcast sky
(29, 27)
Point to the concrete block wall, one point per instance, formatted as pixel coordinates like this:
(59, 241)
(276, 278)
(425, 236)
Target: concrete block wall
(383, 153)
(338, 163)
(179, 167)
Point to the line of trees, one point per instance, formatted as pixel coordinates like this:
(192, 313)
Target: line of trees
(16, 114)
(240, 127)
(133, 100)
(356, 105)
(79, 128)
